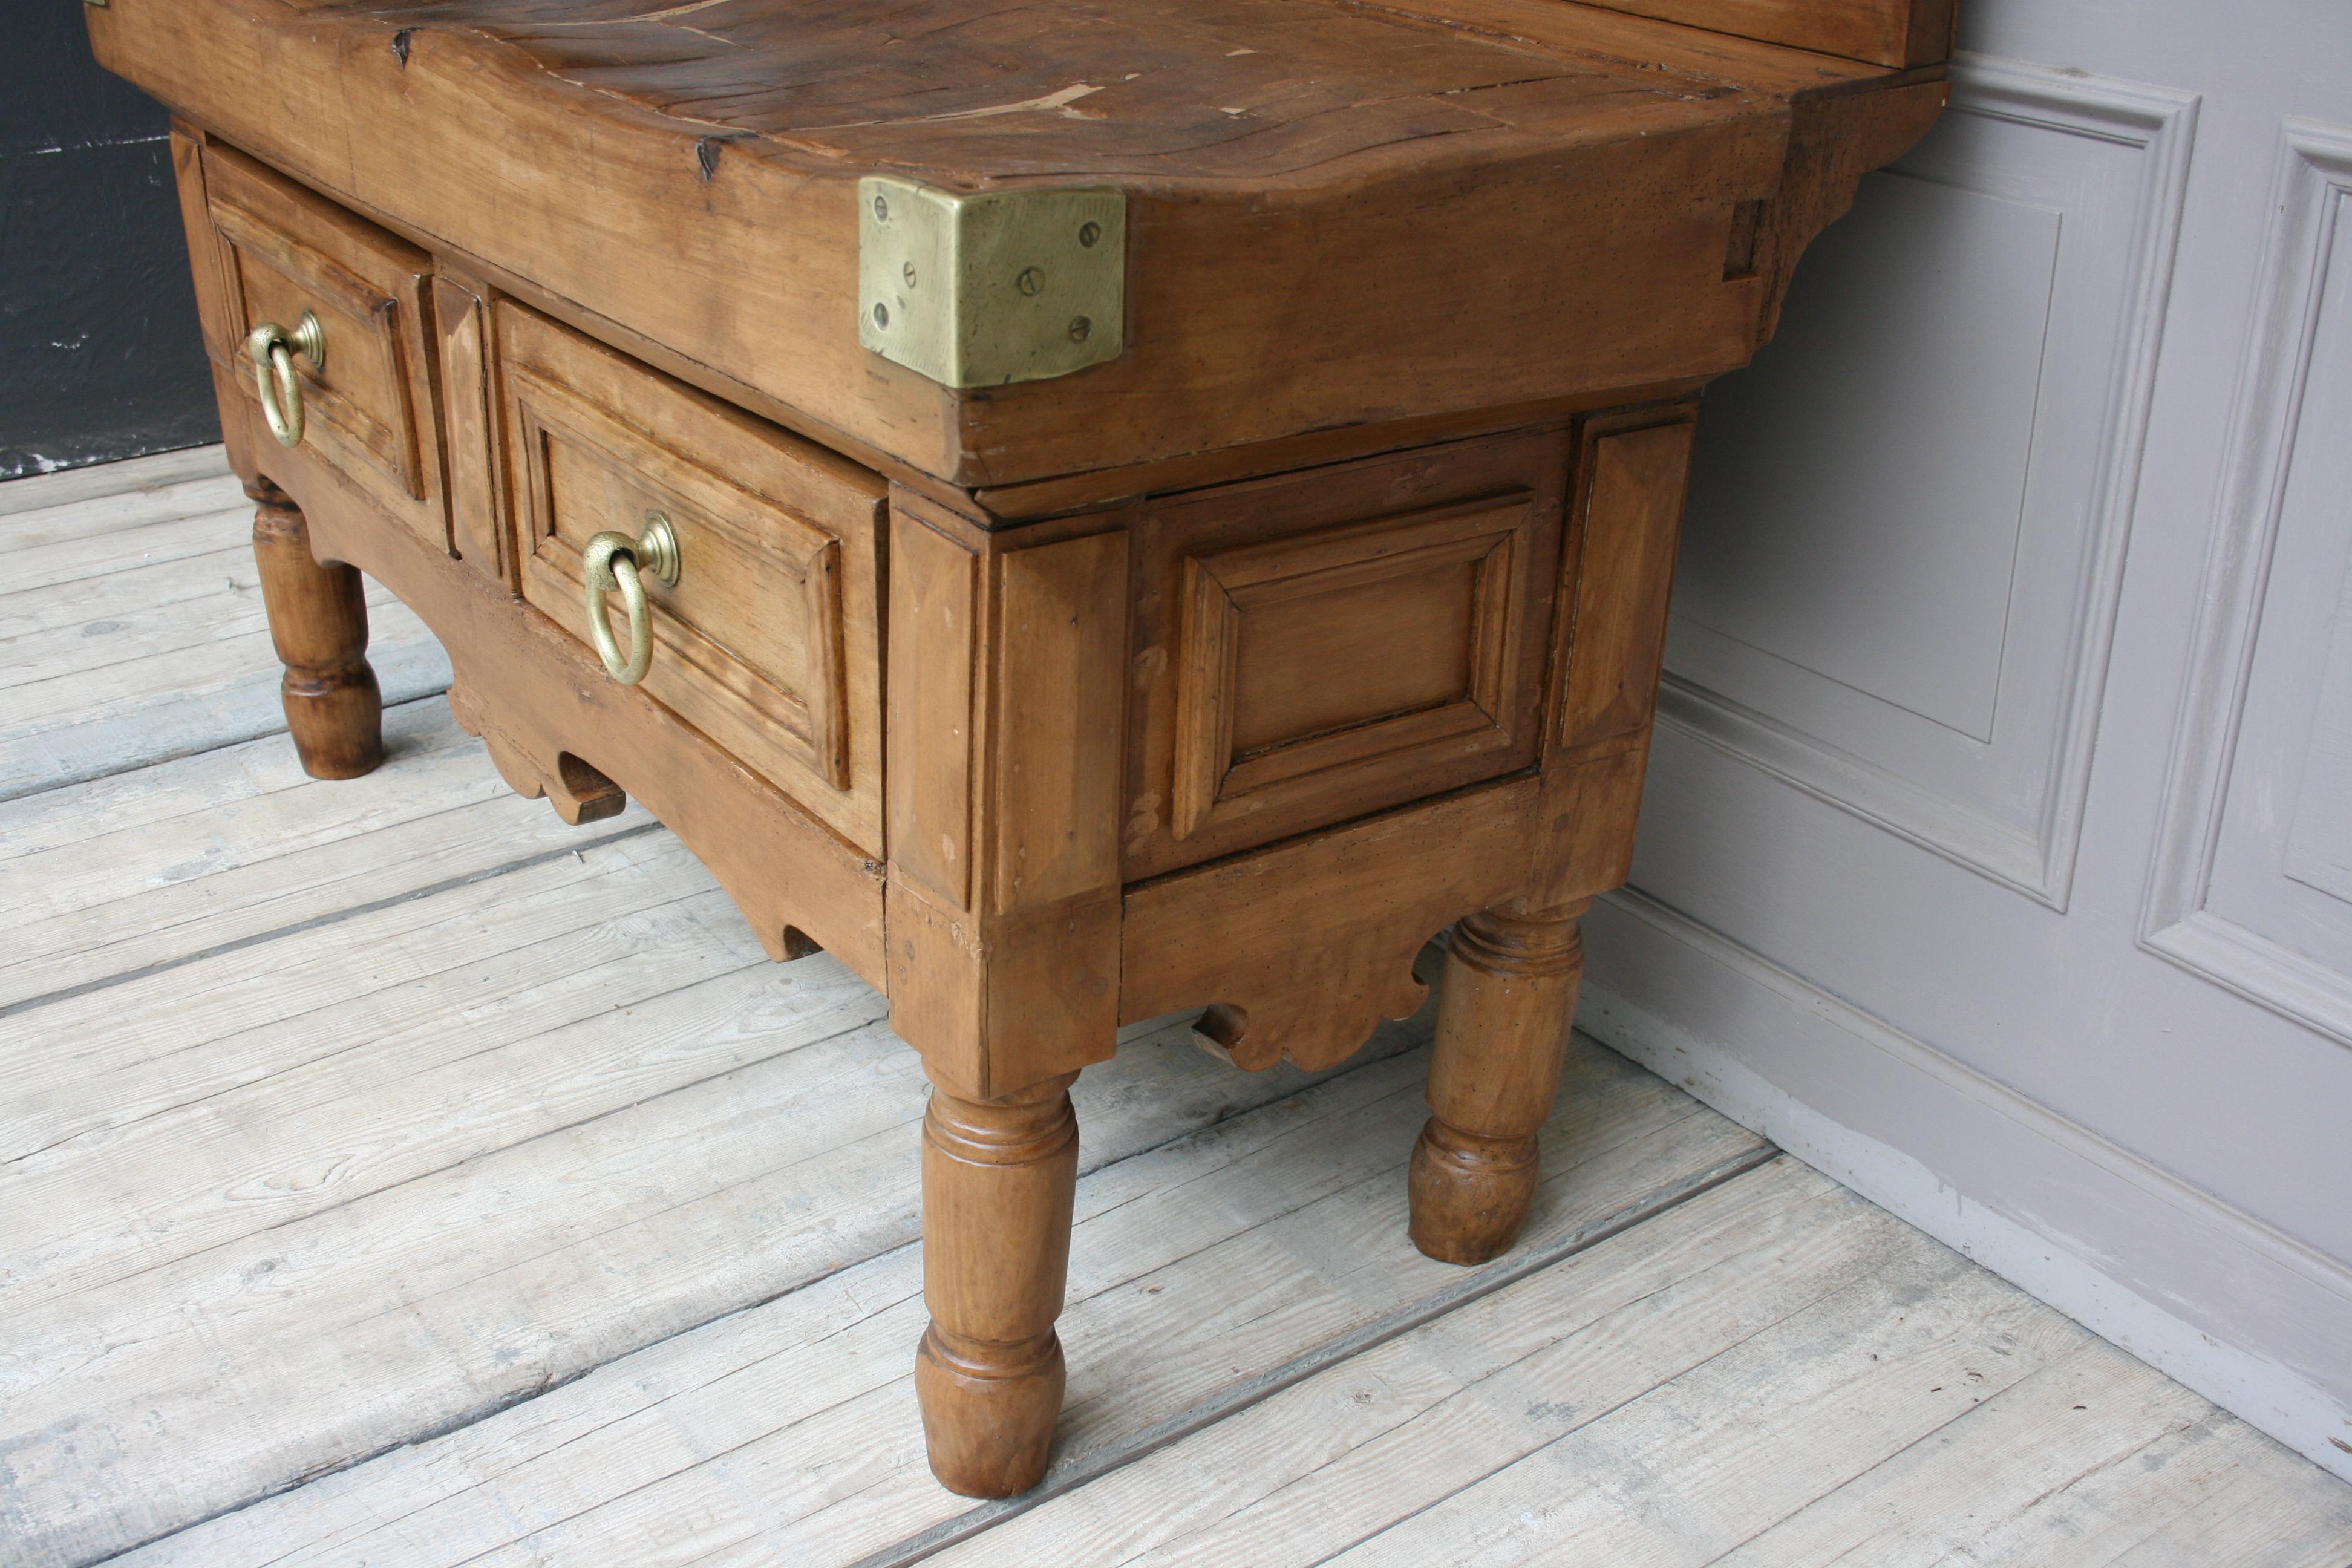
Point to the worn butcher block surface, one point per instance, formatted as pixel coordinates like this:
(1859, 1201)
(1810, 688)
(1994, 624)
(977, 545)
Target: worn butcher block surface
(1151, 90)
(1339, 213)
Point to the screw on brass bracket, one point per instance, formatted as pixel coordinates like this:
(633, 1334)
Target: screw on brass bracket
(980, 290)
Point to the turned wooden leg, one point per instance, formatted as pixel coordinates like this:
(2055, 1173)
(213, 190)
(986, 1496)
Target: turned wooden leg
(998, 1180)
(1502, 1030)
(319, 622)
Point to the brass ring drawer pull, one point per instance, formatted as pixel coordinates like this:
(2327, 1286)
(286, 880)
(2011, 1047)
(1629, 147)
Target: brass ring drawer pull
(612, 560)
(273, 349)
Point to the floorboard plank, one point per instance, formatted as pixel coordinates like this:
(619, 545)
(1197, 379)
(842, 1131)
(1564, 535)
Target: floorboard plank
(84, 1067)
(2206, 1491)
(1340, 1456)
(140, 637)
(126, 872)
(375, 1110)
(385, 1299)
(121, 482)
(156, 529)
(792, 1426)
(1668, 1395)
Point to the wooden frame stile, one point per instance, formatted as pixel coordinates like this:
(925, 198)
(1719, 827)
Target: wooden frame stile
(478, 526)
(1632, 475)
(1004, 740)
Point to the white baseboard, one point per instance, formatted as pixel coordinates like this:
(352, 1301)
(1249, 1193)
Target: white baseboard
(2249, 1318)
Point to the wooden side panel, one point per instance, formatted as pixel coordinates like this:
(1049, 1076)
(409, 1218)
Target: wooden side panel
(372, 408)
(769, 641)
(1631, 492)
(204, 243)
(1060, 625)
(1632, 468)
(1883, 32)
(1366, 647)
(1324, 645)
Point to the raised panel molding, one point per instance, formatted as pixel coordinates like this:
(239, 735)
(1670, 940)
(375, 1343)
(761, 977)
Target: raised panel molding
(1449, 584)
(1991, 768)
(1316, 647)
(2252, 929)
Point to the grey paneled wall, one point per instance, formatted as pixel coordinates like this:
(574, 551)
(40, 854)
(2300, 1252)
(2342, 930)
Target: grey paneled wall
(2253, 883)
(1997, 848)
(1901, 582)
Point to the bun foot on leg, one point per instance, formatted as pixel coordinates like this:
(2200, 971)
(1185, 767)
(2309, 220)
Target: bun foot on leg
(988, 1410)
(1502, 1031)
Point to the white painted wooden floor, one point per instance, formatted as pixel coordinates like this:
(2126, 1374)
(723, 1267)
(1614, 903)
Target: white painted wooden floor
(391, 1175)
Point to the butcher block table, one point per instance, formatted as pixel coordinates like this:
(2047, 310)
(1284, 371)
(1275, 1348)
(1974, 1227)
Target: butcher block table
(1081, 511)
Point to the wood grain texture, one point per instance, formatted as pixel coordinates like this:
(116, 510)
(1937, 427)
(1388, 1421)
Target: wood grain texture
(1300, 950)
(1888, 32)
(1512, 217)
(1361, 650)
(1321, 646)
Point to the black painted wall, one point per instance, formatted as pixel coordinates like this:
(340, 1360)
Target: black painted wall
(99, 356)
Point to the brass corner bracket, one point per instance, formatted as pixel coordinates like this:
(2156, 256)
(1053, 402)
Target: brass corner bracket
(980, 291)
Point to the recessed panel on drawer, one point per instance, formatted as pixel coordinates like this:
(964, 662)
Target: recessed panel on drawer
(1318, 647)
(368, 406)
(768, 641)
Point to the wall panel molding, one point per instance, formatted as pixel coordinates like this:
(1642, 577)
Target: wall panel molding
(2008, 806)
(2310, 242)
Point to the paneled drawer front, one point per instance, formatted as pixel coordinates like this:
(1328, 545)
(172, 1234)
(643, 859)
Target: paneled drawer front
(1313, 648)
(369, 409)
(768, 642)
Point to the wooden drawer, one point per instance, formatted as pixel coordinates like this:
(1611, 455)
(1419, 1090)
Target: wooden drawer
(1319, 646)
(370, 410)
(769, 642)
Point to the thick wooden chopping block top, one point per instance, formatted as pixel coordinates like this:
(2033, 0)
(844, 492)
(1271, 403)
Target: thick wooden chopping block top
(1339, 213)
